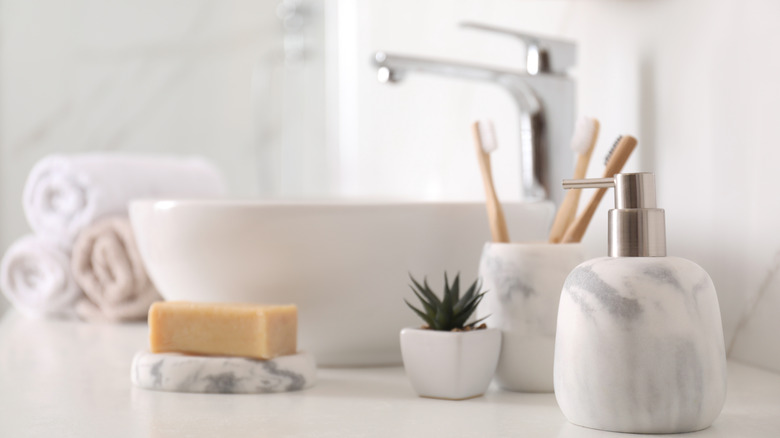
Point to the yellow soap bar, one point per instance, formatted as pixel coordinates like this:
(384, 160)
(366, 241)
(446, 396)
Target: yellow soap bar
(218, 329)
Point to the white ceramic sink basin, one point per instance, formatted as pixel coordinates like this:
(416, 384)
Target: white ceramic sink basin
(345, 265)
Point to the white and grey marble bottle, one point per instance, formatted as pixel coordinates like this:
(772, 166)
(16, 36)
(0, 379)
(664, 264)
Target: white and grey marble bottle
(639, 345)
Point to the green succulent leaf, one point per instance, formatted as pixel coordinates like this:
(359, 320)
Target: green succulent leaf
(474, 324)
(426, 292)
(445, 313)
(451, 311)
(430, 310)
(456, 289)
(420, 314)
(470, 308)
(447, 290)
(467, 296)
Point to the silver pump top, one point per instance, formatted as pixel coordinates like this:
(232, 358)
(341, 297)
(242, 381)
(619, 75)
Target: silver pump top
(637, 227)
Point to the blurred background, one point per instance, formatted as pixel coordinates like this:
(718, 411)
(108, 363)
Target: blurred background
(282, 96)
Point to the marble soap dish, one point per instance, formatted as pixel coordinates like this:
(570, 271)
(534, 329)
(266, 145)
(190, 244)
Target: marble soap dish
(220, 374)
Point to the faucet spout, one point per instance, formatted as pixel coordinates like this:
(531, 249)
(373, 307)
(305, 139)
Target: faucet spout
(394, 68)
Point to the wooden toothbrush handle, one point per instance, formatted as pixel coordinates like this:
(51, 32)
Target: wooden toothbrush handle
(565, 216)
(580, 225)
(498, 229)
(619, 156)
(568, 209)
(615, 163)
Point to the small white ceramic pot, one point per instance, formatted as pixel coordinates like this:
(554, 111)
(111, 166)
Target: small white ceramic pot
(450, 365)
(523, 283)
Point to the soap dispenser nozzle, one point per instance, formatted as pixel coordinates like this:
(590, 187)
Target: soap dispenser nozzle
(636, 226)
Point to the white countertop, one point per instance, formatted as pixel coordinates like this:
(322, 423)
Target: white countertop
(65, 379)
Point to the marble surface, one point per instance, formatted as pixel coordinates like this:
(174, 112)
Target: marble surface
(524, 284)
(755, 341)
(71, 380)
(222, 375)
(640, 346)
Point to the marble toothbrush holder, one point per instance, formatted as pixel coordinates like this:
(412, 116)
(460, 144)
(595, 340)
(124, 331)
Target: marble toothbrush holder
(523, 283)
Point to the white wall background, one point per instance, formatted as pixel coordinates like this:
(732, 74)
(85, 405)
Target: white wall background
(696, 81)
(176, 76)
(201, 77)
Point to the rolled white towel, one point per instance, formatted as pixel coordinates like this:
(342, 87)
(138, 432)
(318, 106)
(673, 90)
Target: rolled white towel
(108, 267)
(64, 194)
(36, 278)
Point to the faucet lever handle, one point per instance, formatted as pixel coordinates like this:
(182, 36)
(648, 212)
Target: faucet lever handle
(545, 54)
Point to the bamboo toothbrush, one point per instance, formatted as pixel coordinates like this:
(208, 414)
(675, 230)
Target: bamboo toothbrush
(485, 141)
(582, 142)
(615, 161)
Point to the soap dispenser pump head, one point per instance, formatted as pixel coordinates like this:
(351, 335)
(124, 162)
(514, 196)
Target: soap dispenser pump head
(636, 226)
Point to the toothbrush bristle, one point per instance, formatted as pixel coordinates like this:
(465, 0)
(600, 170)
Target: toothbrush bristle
(612, 150)
(583, 134)
(488, 136)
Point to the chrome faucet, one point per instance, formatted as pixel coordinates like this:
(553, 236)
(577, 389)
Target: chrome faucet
(544, 94)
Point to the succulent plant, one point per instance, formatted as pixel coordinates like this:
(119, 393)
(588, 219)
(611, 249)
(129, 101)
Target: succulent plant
(450, 312)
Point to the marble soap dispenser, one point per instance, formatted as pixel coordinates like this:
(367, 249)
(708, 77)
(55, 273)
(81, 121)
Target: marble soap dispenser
(639, 345)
